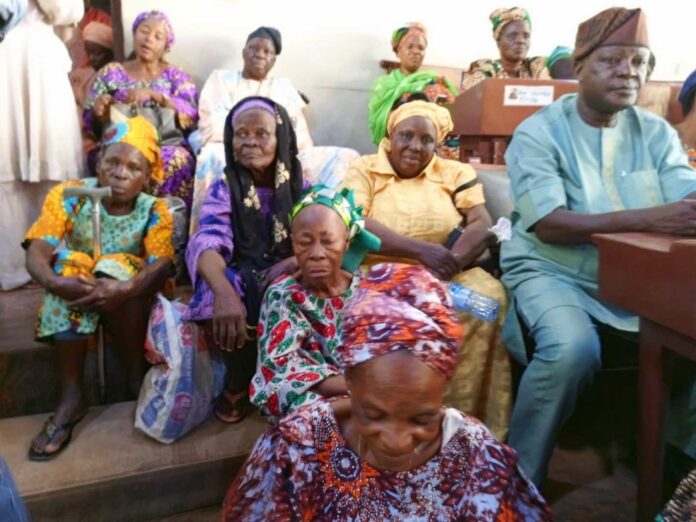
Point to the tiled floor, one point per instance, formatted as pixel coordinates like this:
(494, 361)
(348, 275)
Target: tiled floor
(580, 489)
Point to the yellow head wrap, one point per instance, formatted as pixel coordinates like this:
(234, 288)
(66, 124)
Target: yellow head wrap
(438, 115)
(142, 135)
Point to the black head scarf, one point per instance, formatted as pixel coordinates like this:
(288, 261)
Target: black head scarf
(270, 33)
(258, 242)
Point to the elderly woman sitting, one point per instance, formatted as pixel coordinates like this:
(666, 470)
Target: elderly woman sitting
(81, 291)
(417, 203)
(243, 242)
(390, 450)
(512, 33)
(301, 322)
(408, 43)
(150, 81)
(225, 88)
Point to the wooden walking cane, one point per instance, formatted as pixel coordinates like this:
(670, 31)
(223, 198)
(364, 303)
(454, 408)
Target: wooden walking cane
(96, 195)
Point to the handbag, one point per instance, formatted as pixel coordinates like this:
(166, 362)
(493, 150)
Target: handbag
(163, 119)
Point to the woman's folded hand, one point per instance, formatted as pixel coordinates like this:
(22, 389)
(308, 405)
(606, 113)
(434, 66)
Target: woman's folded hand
(71, 288)
(439, 260)
(106, 295)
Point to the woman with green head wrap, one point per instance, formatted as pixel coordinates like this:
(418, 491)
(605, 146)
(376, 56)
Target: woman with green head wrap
(300, 326)
(408, 43)
(560, 63)
(512, 28)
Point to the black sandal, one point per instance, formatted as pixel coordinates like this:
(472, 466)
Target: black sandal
(51, 429)
(236, 404)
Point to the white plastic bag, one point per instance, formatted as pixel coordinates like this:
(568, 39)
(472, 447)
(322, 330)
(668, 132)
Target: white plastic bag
(178, 391)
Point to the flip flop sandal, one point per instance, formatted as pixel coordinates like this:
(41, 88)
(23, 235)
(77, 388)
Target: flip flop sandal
(238, 402)
(51, 429)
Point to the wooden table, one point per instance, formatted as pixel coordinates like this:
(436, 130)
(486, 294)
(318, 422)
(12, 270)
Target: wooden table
(653, 276)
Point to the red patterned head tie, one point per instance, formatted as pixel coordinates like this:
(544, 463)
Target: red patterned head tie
(402, 307)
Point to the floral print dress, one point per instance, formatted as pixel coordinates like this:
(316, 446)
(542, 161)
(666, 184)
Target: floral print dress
(304, 470)
(179, 162)
(128, 243)
(299, 334)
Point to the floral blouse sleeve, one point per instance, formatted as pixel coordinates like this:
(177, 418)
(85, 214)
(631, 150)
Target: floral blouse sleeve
(54, 221)
(184, 96)
(479, 71)
(100, 86)
(214, 231)
(159, 232)
(297, 333)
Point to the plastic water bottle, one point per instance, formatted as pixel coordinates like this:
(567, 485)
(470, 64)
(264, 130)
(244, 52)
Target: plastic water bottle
(473, 303)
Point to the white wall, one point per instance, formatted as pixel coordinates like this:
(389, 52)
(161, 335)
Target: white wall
(331, 49)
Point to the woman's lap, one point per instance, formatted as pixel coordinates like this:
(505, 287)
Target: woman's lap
(482, 384)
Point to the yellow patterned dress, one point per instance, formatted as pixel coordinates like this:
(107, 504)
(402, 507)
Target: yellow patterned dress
(426, 208)
(129, 243)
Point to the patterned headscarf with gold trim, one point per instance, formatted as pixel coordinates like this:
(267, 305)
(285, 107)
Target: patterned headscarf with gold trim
(504, 15)
(142, 135)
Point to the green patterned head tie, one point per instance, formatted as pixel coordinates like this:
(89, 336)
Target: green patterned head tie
(343, 203)
(503, 16)
(559, 53)
(402, 31)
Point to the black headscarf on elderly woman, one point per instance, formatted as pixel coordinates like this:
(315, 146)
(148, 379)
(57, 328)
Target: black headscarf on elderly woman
(270, 33)
(258, 246)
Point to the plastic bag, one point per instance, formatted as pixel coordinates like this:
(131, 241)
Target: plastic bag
(178, 391)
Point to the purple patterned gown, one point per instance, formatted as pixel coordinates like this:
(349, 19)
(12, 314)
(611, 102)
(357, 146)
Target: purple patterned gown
(179, 162)
(215, 233)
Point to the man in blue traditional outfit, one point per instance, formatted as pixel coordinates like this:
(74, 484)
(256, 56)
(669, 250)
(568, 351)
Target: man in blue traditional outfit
(588, 163)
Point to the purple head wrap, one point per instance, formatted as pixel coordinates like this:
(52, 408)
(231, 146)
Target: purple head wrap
(252, 103)
(156, 15)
